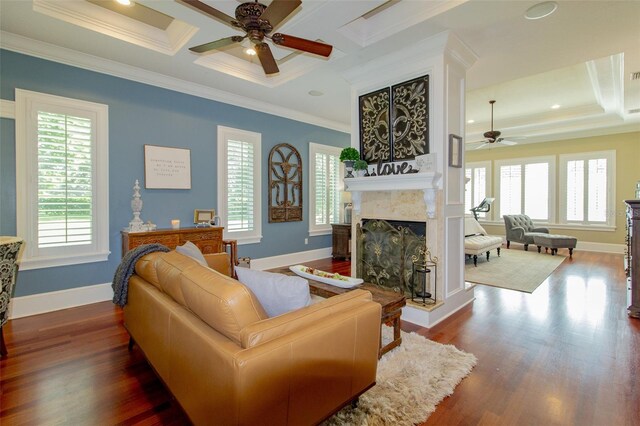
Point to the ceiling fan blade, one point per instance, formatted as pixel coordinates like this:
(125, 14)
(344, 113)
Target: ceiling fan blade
(484, 145)
(506, 142)
(267, 60)
(210, 11)
(278, 10)
(213, 45)
(302, 44)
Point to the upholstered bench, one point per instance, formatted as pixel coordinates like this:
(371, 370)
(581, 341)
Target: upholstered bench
(554, 242)
(478, 244)
(476, 240)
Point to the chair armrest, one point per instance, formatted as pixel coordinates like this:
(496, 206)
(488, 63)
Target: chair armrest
(220, 262)
(542, 230)
(516, 233)
(231, 247)
(314, 369)
(269, 329)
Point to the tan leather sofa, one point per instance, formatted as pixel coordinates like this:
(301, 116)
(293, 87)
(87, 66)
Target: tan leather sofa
(226, 363)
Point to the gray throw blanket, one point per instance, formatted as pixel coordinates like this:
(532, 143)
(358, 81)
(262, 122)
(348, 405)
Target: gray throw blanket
(120, 284)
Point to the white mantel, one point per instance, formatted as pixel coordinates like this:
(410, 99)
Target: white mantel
(428, 182)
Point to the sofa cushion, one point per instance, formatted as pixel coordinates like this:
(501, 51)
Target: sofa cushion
(146, 268)
(169, 266)
(278, 293)
(192, 250)
(223, 303)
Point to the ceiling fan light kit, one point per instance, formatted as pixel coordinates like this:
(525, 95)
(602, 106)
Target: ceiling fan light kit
(257, 21)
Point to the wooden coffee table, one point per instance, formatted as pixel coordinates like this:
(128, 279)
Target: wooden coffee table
(390, 301)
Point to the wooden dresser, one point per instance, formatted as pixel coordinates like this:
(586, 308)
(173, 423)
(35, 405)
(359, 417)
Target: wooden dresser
(208, 240)
(632, 258)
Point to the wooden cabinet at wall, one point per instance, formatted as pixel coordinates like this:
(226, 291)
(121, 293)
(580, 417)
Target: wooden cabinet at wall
(632, 258)
(208, 240)
(341, 238)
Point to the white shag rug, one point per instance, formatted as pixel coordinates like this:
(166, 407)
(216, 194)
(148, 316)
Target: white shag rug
(411, 380)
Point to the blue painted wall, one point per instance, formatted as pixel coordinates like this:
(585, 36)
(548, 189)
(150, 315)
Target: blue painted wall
(140, 114)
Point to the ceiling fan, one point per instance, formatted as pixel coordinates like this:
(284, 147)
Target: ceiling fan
(257, 21)
(493, 136)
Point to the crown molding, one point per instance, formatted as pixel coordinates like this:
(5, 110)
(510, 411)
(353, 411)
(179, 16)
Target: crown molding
(110, 23)
(38, 49)
(607, 78)
(367, 31)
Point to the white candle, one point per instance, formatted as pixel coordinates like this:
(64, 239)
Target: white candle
(175, 223)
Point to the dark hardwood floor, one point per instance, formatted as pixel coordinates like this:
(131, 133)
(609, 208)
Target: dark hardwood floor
(566, 354)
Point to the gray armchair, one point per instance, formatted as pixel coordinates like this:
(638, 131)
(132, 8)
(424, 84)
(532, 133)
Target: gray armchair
(520, 228)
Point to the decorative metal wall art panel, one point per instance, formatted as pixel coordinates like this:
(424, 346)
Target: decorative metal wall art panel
(374, 126)
(410, 119)
(285, 184)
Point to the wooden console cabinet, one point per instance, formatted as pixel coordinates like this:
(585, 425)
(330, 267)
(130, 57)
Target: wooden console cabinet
(341, 238)
(208, 240)
(632, 258)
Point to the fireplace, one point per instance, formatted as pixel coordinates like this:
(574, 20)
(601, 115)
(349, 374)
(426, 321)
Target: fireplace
(387, 251)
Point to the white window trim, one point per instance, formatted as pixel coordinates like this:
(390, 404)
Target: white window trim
(315, 148)
(487, 190)
(26, 199)
(550, 159)
(610, 156)
(224, 134)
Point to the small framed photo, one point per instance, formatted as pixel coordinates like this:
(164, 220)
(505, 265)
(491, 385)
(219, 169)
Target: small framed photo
(203, 216)
(455, 151)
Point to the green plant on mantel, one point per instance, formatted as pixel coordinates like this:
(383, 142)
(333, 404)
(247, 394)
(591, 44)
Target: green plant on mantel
(349, 154)
(360, 165)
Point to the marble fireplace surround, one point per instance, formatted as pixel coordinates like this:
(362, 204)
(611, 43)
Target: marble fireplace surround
(411, 197)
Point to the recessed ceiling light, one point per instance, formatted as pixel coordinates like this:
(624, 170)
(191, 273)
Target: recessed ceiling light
(541, 10)
(315, 93)
(555, 106)
(471, 121)
(124, 2)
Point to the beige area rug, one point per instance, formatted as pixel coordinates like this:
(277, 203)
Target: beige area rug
(411, 380)
(514, 269)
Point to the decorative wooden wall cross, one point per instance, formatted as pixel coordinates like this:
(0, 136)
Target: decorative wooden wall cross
(285, 184)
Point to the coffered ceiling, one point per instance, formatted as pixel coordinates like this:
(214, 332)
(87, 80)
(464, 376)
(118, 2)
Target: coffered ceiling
(580, 58)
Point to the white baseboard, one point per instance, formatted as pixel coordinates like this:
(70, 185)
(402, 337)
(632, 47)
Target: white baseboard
(290, 259)
(600, 247)
(35, 304)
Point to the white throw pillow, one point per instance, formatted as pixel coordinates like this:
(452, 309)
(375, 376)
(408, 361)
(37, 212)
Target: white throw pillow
(278, 293)
(192, 250)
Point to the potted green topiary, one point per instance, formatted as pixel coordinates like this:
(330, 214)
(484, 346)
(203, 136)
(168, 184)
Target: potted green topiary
(348, 156)
(360, 166)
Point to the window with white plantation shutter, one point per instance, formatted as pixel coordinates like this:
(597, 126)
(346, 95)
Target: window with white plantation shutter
(527, 186)
(587, 182)
(62, 171)
(325, 185)
(65, 187)
(477, 186)
(239, 184)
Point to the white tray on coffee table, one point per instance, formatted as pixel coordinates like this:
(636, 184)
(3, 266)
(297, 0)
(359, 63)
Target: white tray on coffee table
(347, 282)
